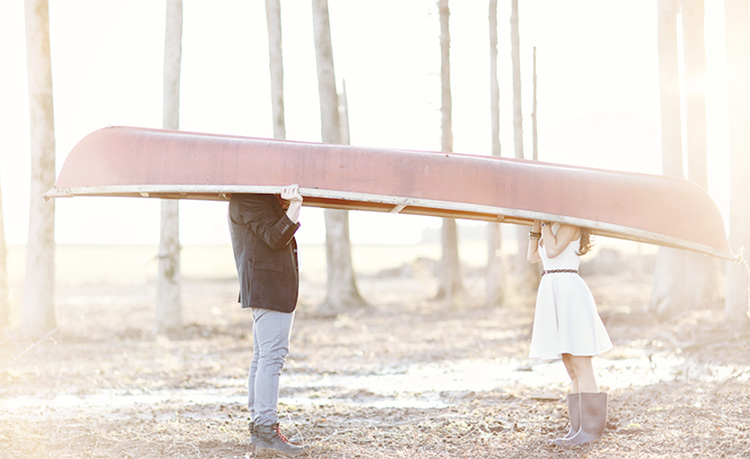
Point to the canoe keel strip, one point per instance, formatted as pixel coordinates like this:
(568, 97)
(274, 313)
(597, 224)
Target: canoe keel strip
(152, 163)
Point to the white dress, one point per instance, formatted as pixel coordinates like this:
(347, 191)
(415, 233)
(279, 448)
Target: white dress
(565, 319)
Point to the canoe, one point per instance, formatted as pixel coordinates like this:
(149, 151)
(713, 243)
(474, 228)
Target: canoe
(154, 163)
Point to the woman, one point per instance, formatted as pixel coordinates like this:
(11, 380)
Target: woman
(567, 325)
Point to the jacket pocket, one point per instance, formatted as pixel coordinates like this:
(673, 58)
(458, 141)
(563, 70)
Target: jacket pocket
(268, 265)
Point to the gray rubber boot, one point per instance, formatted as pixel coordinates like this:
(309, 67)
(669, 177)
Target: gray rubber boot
(575, 419)
(270, 439)
(593, 418)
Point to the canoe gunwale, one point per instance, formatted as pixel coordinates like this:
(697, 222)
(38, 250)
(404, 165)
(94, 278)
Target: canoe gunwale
(391, 204)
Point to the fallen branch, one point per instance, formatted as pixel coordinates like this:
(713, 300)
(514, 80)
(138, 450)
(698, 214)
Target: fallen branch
(715, 341)
(726, 381)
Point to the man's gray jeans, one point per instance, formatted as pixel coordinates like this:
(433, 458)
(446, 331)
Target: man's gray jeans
(271, 331)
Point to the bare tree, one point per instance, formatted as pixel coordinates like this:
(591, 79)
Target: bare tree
(702, 272)
(534, 113)
(683, 280)
(515, 43)
(344, 114)
(276, 63)
(38, 309)
(4, 285)
(342, 291)
(694, 54)
(450, 264)
(495, 268)
(525, 271)
(669, 290)
(737, 15)
(168, 301)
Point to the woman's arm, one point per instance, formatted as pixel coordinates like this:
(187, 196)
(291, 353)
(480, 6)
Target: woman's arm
(532, 254)
(554, 244)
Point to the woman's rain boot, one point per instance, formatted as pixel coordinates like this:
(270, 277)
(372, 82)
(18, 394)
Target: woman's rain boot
(593, 413)
(575, 419)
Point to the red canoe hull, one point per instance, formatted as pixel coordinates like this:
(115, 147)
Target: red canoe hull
(125, 161)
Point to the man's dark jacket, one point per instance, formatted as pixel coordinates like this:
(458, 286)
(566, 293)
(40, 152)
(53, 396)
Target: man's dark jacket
(265, 252)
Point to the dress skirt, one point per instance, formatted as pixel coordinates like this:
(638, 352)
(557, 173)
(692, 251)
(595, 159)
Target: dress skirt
(566, 320)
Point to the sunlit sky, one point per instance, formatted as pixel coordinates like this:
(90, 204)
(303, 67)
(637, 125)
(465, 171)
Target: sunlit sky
(598, 94)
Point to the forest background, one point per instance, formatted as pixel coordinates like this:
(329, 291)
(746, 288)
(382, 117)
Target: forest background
(596, 70)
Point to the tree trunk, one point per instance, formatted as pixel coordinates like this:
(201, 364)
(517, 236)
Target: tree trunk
(694, 49)
(38, 309)
(682, 280)
(701, 271)
(342, 291)
(669, 88)
(669, 291)
(4, 284)
(344, 115)
(450, 264)
(168, 301)
(737, 14)
(534, 137)
(494, 83)
(515, 43)
(495, 268)
(276, 63)
(525, 271)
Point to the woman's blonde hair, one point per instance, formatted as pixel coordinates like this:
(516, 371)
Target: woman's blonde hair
(586, 242)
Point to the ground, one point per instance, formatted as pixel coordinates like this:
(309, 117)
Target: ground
(405, 377)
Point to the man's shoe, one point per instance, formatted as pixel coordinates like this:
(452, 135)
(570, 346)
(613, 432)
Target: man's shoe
(252, 432)
(269, 438)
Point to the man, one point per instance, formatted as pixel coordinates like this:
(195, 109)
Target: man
(265, 252)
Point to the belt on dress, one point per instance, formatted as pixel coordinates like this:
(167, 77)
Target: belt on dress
(554, 271)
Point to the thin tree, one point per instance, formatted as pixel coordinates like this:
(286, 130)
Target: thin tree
(702, 272)
(344, 114)
(524, 270)
(495, 268)
(669, 290)
(276, 64)
(737, 16)
(515, 43)
(694, 57)
(534, 113)
(683, 280)
(4, 284)
(342, 291)
(168, 301)
(450, 264)
(38, 308)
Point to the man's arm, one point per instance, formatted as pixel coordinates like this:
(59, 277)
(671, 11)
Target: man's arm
(257, 212)
(291, 194)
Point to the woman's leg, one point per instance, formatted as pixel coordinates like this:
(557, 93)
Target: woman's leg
(592, 405)
(573, 403)
(584, 373)
(571, 373)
